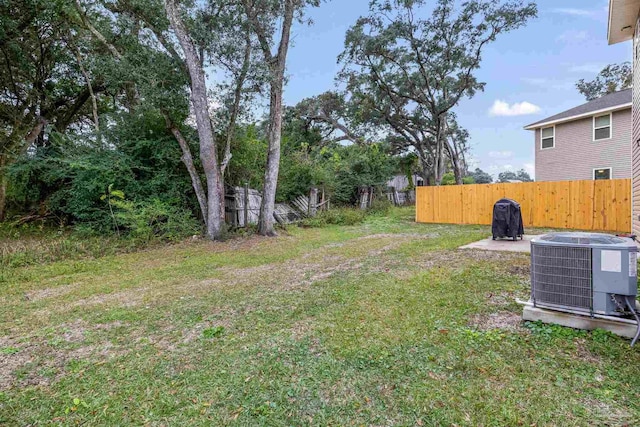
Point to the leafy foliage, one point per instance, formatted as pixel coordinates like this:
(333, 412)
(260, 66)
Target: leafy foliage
(406, 72)
(340, 216)
(520, 175)
(612, 78)
(155, 220)
(66, 180)
(450, 179)
(481, 177)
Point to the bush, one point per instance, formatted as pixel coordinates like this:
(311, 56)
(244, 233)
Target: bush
(341, 216)
(154, 220)
(380, 205)
(64, 180)
(450, 179)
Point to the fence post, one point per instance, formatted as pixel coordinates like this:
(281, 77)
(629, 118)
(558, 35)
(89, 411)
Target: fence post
(233, 207)
(313, 200)
(246, 204)
(363, 194)
(394, 195)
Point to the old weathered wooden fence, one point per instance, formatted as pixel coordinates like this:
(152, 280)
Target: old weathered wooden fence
(581, 205)
(244, 202)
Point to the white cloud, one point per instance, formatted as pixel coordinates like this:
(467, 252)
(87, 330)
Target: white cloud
(502, 108)
(573, 36)
(531, 169)
(574, 11)
(500, 154)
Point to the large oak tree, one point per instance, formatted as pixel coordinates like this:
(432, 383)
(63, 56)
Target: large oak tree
(407, 73)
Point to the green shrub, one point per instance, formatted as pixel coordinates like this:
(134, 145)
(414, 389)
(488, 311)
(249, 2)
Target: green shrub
(155, 220)
(64, 180)
(380, 206)
(450, 179)
(340, 216)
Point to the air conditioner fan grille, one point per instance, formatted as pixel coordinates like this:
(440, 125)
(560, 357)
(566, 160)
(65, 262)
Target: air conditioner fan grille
(561, 276)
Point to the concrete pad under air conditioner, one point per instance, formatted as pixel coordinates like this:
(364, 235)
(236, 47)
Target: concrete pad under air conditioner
(622, 327)
(504, 245)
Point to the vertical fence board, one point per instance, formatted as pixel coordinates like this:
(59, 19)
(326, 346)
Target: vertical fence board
(582, 205)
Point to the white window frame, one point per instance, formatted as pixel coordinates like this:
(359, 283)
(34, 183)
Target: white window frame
(593, 121)
(554, 137)
(593, 175)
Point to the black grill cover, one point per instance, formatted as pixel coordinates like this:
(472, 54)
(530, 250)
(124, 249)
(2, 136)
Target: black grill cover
(507, 219)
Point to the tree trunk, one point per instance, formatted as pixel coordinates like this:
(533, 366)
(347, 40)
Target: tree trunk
(427, 172)
(29, 140)
(455, 163)
(208, 154)
(266, 222)
(37, 129)
(277, 67)
(439, 160)
(457, 171)
(235, 109)
(87, 79)
(187, 159)
(3, 189)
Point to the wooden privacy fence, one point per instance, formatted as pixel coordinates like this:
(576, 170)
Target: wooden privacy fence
(581, 205)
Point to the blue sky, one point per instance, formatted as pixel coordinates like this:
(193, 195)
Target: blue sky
(538, 64)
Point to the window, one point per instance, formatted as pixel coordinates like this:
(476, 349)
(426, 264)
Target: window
(602, 173)
(602, 127)
(548, 137)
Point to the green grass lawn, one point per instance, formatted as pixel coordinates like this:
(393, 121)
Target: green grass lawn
(383, 323)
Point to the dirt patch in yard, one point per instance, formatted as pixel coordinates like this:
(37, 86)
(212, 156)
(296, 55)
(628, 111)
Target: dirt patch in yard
(399, 236)
(505, 320)
(13, 356)
(519, 270)
(56, 292)
(607, 414)
(39, 360)
(453, 258)
(128, 298)
(583, 354)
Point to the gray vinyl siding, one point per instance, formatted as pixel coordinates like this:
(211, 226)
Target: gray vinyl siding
(635, 197)
(575, 154)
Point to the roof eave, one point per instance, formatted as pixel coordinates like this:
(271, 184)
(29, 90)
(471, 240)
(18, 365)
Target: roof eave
(534, 126)
(622, 18)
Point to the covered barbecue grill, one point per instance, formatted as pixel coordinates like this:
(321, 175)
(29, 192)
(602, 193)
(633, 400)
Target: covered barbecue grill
(507, 220)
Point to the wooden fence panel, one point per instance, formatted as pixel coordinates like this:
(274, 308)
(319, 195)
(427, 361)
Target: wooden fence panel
(581, 205)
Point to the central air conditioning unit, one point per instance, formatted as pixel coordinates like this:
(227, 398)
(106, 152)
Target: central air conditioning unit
(588, 273)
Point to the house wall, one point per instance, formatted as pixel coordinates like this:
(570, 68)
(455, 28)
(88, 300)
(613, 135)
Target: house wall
(576, 154)
(635, 151)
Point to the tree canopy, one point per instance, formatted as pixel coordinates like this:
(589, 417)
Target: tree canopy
(509, 176)
(481, 177)
(118, 113)
(406, 70)
(612, 78)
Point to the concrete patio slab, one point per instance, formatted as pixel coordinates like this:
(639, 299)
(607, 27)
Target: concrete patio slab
(505, 245)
